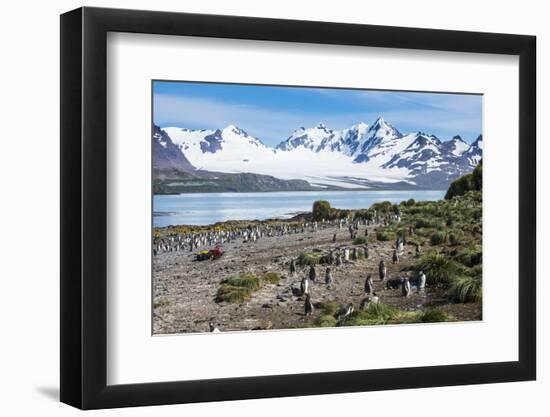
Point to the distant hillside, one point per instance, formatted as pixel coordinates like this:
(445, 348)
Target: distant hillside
(468, 182)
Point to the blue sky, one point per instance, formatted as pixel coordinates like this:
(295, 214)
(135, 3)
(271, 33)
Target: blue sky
(273, 113)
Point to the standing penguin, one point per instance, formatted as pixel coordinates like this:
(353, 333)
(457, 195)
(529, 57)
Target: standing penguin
(369, 285)
(308, 306)
(312, 273)
(395, 257)
(418, 250)
(338, 259)
(292, 267)
(421, 281)
(328, 277)
(400, 245)
(405, 287)
(366, 252)
(354, 255)
(382, 270)
(213, 328)
(344, 312)
(374, 299)
(346, 255)
(334, 238)
(304, 286)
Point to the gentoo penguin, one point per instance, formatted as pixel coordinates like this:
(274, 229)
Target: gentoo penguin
(328, 277)
(371, 299)
(213, 329)
(304, 286)
(308, 306)
(421, 281)
(346, 255)
(369, 285)
(292, 267)
(405, 287)
(344, 312)
(395, 257)
(312, 273)
(382, 270)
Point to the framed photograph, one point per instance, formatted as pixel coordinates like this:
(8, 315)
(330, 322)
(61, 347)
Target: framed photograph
(257, 208)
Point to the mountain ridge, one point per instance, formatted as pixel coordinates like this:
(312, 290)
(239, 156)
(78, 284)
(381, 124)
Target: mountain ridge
(378, 153)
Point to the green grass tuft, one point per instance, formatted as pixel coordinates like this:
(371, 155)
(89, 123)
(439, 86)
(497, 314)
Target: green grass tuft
(311, 258)
(330, 308)
(248, 280)
(466, 289)
(438, 268)
(374, 314)
(433, 315)
(232, 294)
(438, 238)
(383, 236)
(326, 320)
(271, 278)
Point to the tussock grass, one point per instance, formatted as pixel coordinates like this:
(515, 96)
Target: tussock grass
(466, 289)
(326, 320)
(309, 258)
(232, 294)
(246, 281)
(438, 268)
(456, 237)
(470, 256)
(438, 238)
(377, 314)
(383, 236)
(360, 240)
(432, 315)
(271, 278)
(239, 288)
(373, 314)
(330, 308)
(425, 223)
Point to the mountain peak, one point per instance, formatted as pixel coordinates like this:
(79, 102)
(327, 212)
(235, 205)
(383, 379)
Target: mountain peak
(235, 129)
(457, 137)
(379, 124)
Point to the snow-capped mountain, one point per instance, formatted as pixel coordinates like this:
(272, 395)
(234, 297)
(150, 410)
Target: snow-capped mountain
(227, 144)
(356, 157)
(456, 146)
(474, 153)
(380, 139)
(166, 155)
(313, 139)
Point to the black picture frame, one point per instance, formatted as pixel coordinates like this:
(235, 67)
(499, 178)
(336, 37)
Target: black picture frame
(84, 207)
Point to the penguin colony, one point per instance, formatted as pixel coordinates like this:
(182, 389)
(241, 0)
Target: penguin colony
(336, 256)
